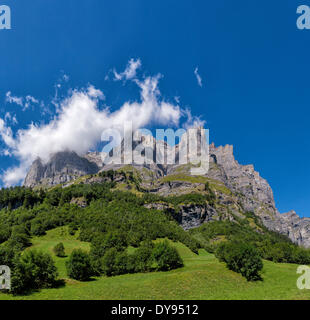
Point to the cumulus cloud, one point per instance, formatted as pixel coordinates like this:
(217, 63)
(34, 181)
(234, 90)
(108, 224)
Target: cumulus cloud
(95, 93)
(79, 124)
(130, 71)
(198, 77)
(80, 120)
(6, 134)
(15, 175)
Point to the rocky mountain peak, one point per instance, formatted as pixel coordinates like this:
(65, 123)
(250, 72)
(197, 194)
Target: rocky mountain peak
(62, 167)
(249, 191)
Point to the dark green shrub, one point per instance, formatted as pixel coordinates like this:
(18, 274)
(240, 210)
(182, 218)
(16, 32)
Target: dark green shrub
(143, 257)
(20, 229)
(301, 256)
(146, 258)
(7, 255)
(134, 239)
(115, 263)
(19, 241)
(166, 257)
(5, 233)
(121, 261)
(59, 250)
(33, 270)
(96, 264)
(102, 242)
(115, 239)
(79, 265)
(242, 258)
(72, 229)
(37, 228)
(109, 262)
(131, 263)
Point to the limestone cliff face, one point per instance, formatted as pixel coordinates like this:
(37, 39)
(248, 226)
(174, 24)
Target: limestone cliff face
(61, 168)
(35, 174)
(254, 192)
(296, 228)
(239, 188)
(255, 195)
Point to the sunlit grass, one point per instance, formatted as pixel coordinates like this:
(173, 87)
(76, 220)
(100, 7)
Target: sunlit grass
(202, 277)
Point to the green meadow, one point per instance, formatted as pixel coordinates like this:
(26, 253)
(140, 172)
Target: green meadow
(202, 277)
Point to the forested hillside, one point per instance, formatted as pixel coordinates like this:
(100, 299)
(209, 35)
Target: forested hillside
(122, 223)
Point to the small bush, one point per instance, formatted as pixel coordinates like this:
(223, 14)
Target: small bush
(72, 229)
(114, 263)
(7, 254)
(19, 241)
(109, 262)
(143, 257)
(301, 256)
(59, 250)
(33, 270)
(79, 265)
(166, 257)
(120, 265)
(241, 258)
(37, 228)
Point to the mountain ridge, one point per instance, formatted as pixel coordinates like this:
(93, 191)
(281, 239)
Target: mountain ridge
(239, 188)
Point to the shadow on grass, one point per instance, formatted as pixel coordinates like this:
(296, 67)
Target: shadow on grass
(60, 283)
(92, 279)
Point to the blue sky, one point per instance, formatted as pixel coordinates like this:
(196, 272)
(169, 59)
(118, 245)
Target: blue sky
(253, 62)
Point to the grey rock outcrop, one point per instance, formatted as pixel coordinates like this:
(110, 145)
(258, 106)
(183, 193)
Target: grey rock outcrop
(188, 215)
(61, 168)
(254, 192)
(94, 157)
(193, 216)
(296, 228)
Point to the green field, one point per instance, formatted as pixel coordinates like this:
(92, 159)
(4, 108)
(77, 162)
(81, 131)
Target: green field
(202, 277)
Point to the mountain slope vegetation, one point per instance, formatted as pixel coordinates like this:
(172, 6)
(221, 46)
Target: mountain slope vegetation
(117, 230)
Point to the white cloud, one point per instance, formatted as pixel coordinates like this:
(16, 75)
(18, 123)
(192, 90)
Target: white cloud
(23, 102)
(95, 93)
(6, 135)
(9, 118)
(29, 100)
(15, 175)
(130, 71)
(79, 123)
(13, 99)
(198, 77)
(192, 121)
(6, 152)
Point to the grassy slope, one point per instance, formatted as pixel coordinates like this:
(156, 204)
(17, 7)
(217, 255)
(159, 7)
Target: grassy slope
(202, 277)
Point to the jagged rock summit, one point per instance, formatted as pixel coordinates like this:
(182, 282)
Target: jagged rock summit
(62, 167)
(239, 188)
